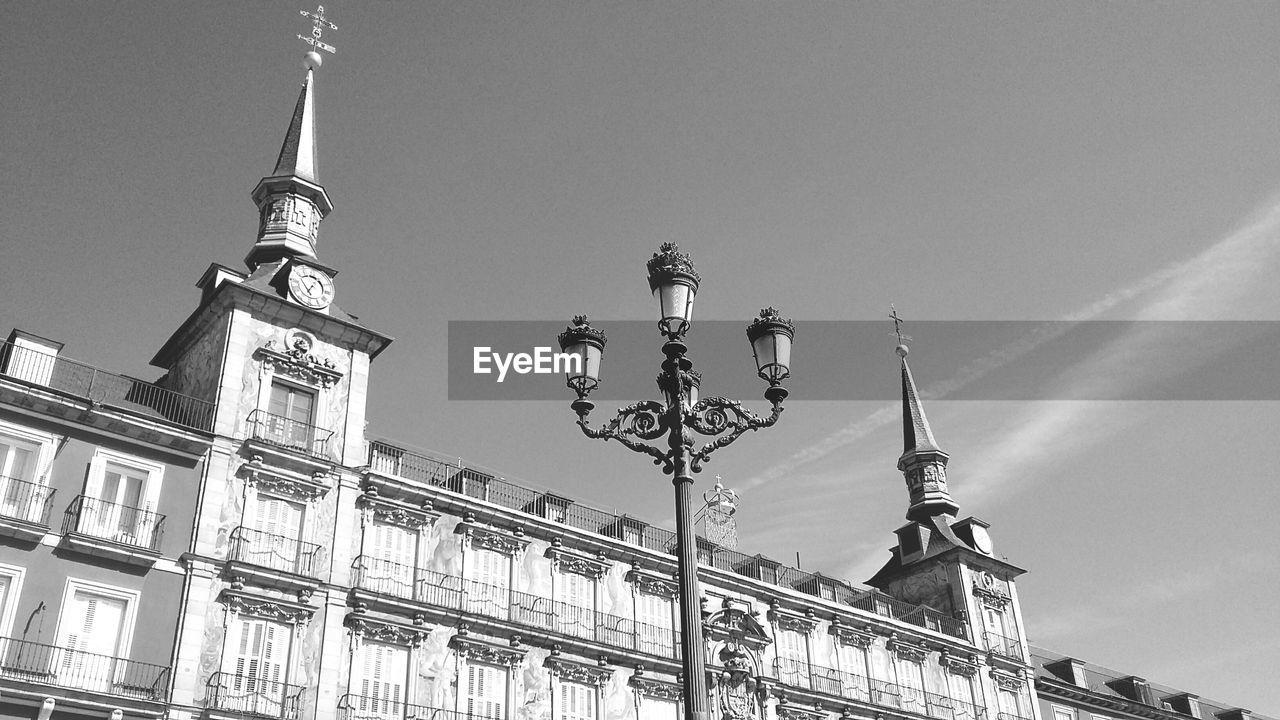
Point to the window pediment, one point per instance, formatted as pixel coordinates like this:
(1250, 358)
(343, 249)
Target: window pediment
(656, 688)
(734, 623)
(852, 636)
(653, 583)
(276, 481)
(803, 623)
(479, 651)
(384, 631)
(395, 513)
(904, 650)
(568, 670)
(297, 363)
(241, 603)
(491, 538)
(571, 561)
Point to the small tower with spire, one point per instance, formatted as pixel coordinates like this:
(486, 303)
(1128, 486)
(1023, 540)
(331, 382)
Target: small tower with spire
(944, 563)
(715, 520)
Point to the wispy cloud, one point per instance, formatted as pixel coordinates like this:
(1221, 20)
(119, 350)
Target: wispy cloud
(1203, 287)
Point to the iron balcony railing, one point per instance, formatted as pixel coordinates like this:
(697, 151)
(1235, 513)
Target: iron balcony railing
(275, 552)
(24, 500)
(291, 434)
(836, 683)
(450, 591)
(1003, 645)
(391, 460)
(365, 707)
(255, 695)
(111, 521)
(100, 386)
(75, 669)
(1010, 716)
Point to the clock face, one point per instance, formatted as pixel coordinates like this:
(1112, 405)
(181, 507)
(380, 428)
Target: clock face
(310, 287)
(981, 539)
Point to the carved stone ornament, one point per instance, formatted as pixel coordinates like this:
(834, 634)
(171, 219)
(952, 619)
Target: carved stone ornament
(490, 539)
(988, 589)
(572, 562)
(803, 624)
(395, 514)
(1008, 682)
(734, 687)
(483, 652)
(910, 653)
(576, 672)
(736, 625)
(241, 604)
(657, 689)
(385, 632)
(297, 363)
(262, 479)
(852, 637)
(968, 667)
(652, 583)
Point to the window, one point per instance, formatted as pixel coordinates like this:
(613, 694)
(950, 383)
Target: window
(853, 666)
(273, 536)
(793, 657)
(256, 666)
(576, 702)
(1007, 702)
(576, 595)
(95, 625)
(390, 558)
(10, 587)
(911, 684)
(25, 456)
(486, 691)
(962, 694)
(120, 498)
(652, 708)
(1063, 713)
(654, 624)
(380, 673)
(490, 574)
(290, 417)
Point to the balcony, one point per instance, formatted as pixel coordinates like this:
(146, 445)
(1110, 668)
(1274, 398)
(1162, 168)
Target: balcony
(100, 387)
(1002, 645)
(248, 695)
(393, 587)
(362, 707)
(24, 509)
(850, 686)
(274, 561)
(105, 529)
(282, 432)
(62, 667)
(413, 477)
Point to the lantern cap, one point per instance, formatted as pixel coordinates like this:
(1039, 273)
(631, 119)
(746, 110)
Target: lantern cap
(770, 321)
(581, 331)
(668, 264)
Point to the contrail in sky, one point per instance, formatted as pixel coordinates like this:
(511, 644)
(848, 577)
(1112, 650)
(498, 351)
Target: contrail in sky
(1200, 285)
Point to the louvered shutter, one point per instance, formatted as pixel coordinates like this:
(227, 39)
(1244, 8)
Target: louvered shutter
(655, 625)
(577, 701)
(578, 595)
(258, 666)
(962, 693)
(794, 656)
(91, 630)
(492, 572)
(652, 708)
(393, 554)
(383, 671)
(486, 691)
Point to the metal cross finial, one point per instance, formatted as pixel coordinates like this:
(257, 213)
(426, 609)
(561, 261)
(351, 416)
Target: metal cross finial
(897, 325)
(318, 23)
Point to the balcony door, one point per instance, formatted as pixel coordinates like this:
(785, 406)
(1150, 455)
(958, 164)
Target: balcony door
(381, 672)
(391, 558)
(258, 669)
(276, 544)
(91, 629)
(17, 468)
(490, 590)
(292, 412)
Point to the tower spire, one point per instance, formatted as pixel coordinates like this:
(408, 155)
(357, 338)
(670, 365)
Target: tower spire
(923, 463)
(291, 202)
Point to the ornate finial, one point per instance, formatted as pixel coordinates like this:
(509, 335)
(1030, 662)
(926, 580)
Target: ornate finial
(319, 22)
(901, 350)
(670, 261)
(770, 318)
(579, 331)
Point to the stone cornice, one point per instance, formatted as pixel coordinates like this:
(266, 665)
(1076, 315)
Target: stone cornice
(966, 666)
(1006, 681)
(492, 539)
(803, 623)
(910, 652)
(1048, 688)
(385, 631)
(396, 513)
(264, 477)
(484, 652)
(242, 603)
(297, 364)
(656, 688)
(652, 582)
(570, 671)
(571, 561)
(787, 711)
(853, 636)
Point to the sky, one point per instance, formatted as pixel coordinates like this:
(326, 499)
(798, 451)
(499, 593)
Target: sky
(519, 161)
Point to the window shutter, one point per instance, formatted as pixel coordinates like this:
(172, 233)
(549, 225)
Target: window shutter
(486, 691)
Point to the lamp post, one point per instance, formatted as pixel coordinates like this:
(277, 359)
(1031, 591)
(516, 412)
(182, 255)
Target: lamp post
(679, 416)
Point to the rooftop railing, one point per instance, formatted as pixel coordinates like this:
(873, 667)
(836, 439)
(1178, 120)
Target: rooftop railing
(24, 500)
(111, 521)
(275, 552)
(290, 433)
(388, 459)
(64, 667)
(102, 387)
(255, 695)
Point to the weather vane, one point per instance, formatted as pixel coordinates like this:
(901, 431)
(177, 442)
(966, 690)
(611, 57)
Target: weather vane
(897, 325)
(318, 23)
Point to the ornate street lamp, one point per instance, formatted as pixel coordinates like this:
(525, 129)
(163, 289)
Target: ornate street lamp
(679, 416)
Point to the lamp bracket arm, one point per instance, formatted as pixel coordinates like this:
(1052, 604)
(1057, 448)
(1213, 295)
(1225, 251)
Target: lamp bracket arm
(727, 419)
(645, 420)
